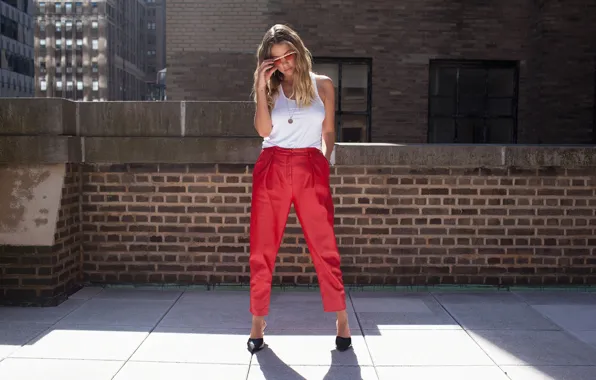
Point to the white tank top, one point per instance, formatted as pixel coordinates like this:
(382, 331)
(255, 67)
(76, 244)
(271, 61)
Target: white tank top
(307, 127)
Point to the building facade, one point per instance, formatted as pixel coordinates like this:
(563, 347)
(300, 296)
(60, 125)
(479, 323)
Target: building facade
(497, 72)
(91, 50)
(156, 41)
(16, 49)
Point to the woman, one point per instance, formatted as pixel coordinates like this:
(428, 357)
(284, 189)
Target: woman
(295, 115)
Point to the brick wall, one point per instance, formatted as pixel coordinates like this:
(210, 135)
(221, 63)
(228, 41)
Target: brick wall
(45, 276)
(177, 223)
(553, 41)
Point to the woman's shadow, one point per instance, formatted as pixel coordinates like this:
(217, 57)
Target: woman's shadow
(344, 366)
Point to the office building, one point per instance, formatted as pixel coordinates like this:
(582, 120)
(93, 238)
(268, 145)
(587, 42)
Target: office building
(16, 49)
(91, 50)
(156, 40)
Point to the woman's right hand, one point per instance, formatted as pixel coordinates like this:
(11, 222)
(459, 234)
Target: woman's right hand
(266, 70)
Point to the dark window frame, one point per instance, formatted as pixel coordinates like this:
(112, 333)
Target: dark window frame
(475, 64)
(340, 61)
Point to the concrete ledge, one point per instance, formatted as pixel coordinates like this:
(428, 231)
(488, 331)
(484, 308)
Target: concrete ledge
(34, 117)
(220, 119)
(418, 155)
(171, 150)
(39, 149)
(542, 156)
(130, 119)
(434, 155)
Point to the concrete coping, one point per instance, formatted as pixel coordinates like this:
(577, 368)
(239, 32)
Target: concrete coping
(47, 130)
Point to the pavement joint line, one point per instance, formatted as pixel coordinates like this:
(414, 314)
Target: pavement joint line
(149, 334)
(469, 336)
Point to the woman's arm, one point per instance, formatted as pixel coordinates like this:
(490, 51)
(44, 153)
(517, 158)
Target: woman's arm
(328, 96)
(263, 123)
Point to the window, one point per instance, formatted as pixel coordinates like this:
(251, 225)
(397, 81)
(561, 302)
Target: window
(79, 85)
(473, 102)
(69, 85)
(95, 85)
(79, 42)
(68, 25)
(352, 79)
(58, 43)
(42, 42)
(95, 44)
(79, 25)
(58, 7)
(59, 85)
(94, 67)
(68, 7)
(94, 24)
(58, 26)
(43, 85)
(42, 7)
(69, 42)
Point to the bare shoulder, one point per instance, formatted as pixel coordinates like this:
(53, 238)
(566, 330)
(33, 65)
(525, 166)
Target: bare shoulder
(325, 86)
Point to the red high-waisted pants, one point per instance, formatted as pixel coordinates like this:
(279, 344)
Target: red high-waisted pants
(282, 177)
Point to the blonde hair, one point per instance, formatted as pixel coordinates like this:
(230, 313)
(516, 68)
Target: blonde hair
(303, 84)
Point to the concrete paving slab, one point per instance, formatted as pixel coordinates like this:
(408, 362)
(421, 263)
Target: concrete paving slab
(508, 347)
(210, 309)
(558, 298)
(13, 335)
(303, 347)
(119, 312)
(382, 311)
(569, 316)
(51, 369)
(139, 294)
(181, 371)
(84, 342)
(205, 345)
(425, 348)
(442, 373)
(312, 373)
(499, 311)
(550, 372)
(44, 315)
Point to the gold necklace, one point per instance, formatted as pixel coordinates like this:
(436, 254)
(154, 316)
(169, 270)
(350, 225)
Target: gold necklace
(291, 119)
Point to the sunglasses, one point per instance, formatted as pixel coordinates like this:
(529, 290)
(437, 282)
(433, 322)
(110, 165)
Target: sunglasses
(288, 57)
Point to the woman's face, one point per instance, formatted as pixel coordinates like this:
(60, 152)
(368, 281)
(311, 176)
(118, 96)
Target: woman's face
(285, 58)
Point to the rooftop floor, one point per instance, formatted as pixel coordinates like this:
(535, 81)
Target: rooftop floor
(152, 333)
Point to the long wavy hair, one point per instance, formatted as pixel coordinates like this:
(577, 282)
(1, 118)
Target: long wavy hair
(303, 85)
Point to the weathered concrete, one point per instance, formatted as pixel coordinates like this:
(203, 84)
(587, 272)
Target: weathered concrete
(129, 119)
(33, 117)
(40, 149)
(220, 119)
(29, 203)
(418, 155)
(171, 150)
(431, 155)
(559, 156)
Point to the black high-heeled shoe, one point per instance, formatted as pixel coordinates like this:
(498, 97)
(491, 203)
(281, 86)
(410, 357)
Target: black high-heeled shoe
(256, 344)
(342, 344)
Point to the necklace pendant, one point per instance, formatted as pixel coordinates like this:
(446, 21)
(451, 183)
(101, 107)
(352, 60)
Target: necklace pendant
(290, 120)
